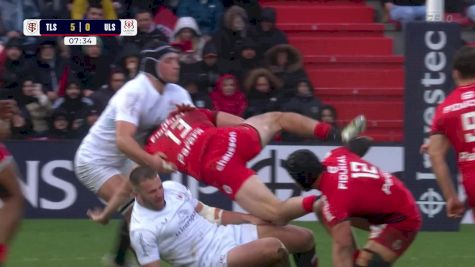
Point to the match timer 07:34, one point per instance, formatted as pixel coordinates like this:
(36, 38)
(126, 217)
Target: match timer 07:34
(80, 32)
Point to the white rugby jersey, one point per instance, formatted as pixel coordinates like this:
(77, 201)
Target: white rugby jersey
(176, 234)
(137, 102)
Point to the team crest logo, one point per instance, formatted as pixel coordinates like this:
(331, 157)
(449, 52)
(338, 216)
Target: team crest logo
(128, 27)
(227, 189)
(31, 27)
(129, 24)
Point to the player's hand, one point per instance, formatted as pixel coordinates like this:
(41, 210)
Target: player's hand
(162, 165)
(424, 148)
(455, 208)
(97, 215)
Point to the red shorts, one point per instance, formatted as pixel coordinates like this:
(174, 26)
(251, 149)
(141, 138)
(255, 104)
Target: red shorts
(468, 180)
(226, 157)
(392, 238)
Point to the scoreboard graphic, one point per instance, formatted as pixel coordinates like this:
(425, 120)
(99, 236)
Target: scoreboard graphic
(79, 32)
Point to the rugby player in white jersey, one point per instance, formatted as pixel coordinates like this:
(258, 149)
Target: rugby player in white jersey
(108, 153)
(169, 224)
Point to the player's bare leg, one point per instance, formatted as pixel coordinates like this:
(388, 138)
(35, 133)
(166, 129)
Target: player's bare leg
(109, 190)
(110, 187)
(257, 199)
(299, 241)
(295, 239)
(271, 123)
(265, 252)
(375, 252)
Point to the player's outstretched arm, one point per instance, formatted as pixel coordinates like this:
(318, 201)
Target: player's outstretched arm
(125, 138)
(343, 245)
(439, 146)
(118, 200)
(224, 217)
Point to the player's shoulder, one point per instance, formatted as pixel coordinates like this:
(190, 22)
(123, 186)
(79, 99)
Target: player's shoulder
(174, 186)
(175, 90)
(133, 88)
(335, 153)
(460, 94)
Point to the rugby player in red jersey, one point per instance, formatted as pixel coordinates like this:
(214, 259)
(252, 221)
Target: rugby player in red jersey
(11, 197)
(354, 190)
(197, 144)
(454, 125)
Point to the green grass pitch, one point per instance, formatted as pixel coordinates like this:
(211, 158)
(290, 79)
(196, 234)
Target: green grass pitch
(79, 243)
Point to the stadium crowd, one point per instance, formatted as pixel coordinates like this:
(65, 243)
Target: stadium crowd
(233, 58)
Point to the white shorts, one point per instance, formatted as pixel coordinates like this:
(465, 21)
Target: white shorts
(93, 175)
(227, 238)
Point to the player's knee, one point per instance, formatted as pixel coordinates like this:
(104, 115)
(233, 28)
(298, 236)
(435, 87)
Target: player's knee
(368, 258)
(275, 115)
(304, 237)
(274, 249)
(308, 239)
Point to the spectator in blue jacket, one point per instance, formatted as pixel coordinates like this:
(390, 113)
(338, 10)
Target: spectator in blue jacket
(207, 13)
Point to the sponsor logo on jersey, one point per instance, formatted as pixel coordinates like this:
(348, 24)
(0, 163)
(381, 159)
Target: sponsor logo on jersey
(185, 221)
(232, 141)
(326, 209)
(388, 182)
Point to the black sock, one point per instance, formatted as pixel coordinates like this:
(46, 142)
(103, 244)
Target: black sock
(306, 259)
(123, 245)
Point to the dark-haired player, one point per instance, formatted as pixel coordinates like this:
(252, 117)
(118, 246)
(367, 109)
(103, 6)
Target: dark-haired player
(353, 188)
(454, 125)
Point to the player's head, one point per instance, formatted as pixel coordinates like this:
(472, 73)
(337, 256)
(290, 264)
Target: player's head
(304, 167)
(148, 188)
(161, 61)
(464, 64)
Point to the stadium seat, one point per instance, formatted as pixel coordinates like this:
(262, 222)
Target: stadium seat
(348, 59)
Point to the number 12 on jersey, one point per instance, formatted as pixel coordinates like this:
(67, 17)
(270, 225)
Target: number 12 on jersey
(363, 170)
